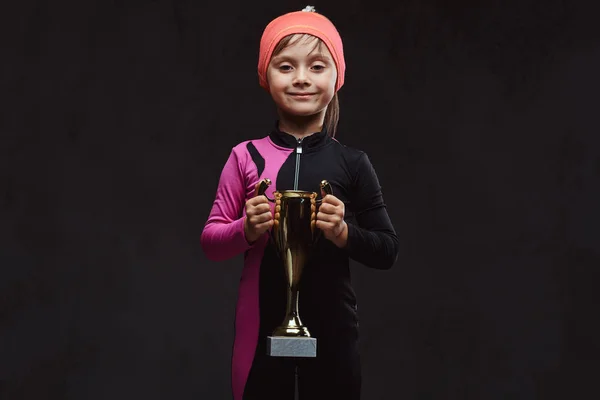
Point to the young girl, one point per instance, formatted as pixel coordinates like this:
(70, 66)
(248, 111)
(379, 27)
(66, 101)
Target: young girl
(301, 64)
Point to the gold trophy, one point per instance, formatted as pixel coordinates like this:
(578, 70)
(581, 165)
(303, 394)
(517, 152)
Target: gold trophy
(294, 235)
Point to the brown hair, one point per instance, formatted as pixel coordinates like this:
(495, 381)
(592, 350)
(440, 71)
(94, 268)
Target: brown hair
(332, 114)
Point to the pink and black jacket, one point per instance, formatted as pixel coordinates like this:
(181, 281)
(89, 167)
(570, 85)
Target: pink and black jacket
(327, 299)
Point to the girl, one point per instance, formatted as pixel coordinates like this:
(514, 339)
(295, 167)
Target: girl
(301, 64)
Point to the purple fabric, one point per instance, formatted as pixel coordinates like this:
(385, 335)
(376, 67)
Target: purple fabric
(223, 238)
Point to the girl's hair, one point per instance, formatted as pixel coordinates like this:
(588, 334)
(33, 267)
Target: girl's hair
(332, 114)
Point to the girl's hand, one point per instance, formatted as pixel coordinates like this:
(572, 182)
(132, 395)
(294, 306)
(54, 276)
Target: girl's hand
(258, 217)
(330, 220)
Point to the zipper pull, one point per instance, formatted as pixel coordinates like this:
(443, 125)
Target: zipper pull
(299, 147)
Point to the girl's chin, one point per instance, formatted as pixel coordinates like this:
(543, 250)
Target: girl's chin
(300, 112)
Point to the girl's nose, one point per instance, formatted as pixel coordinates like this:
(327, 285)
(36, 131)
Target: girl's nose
(301, 77)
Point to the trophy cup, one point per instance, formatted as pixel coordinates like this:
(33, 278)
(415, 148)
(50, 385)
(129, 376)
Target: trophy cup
(294, 235)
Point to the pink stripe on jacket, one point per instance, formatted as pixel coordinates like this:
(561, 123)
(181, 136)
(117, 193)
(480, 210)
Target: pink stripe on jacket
(223, 238)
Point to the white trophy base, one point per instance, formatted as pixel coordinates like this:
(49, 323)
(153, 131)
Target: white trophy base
(285, 346)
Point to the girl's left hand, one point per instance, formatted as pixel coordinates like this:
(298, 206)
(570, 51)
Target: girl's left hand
(330, 220)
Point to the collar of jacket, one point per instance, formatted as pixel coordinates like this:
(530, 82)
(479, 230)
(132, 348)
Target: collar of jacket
(310, 142)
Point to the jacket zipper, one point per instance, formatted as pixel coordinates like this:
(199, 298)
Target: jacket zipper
(298, 152)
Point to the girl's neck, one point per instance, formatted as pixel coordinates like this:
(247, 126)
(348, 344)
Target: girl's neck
(303, 126)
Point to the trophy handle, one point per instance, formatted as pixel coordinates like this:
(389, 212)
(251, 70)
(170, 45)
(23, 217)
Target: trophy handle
(262, 189)
(325, 188)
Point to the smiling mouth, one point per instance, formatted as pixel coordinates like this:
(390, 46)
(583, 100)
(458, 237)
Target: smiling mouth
(301, 94)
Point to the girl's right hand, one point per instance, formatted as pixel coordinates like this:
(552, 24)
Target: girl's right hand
(258, 217)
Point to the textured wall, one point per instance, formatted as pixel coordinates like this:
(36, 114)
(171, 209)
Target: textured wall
(479, 117)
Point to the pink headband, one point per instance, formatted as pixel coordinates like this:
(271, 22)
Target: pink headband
(305, 21)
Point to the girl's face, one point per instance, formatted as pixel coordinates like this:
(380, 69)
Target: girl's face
(302, 78)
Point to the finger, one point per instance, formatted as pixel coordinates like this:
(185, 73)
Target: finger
(331, 199)
(325, 226)
(260, 209)
(260, 200)
(329, 229)
(264, 226)
(258, 219)
(263, 207)
(255, 201)
(332, 210)
(332, 218)
(328, 208)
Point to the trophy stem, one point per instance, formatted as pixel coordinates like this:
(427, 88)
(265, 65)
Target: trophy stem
(292, 303)
(292, 325)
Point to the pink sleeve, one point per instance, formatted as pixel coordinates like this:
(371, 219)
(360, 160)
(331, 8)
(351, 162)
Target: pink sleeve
(223, 235)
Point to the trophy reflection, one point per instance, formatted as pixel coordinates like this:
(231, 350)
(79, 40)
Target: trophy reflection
(294, 235)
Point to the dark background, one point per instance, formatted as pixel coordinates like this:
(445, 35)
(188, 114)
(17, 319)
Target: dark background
(480, 118)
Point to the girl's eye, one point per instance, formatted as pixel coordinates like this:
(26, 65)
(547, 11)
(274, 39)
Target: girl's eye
(285, 67)
(318, 67)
